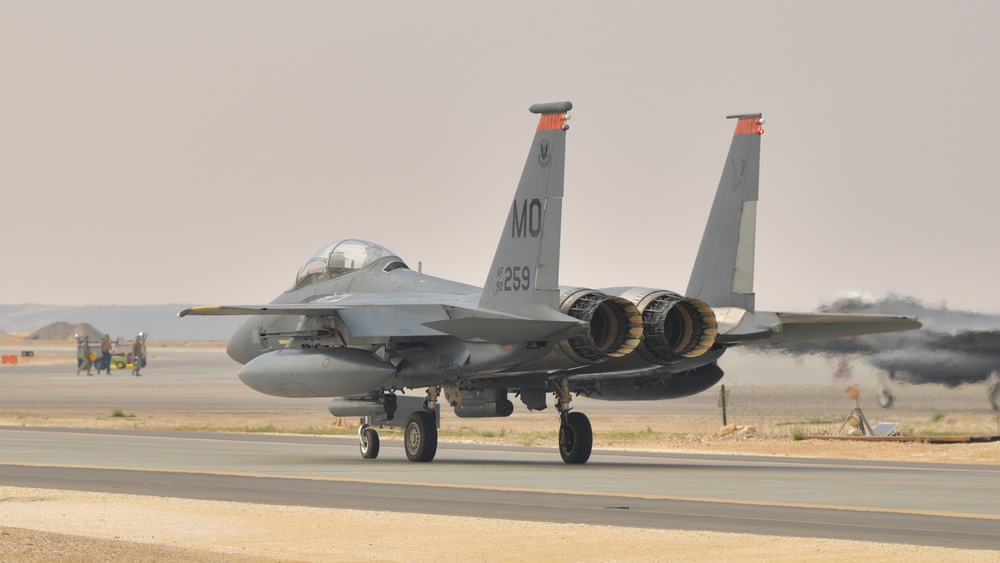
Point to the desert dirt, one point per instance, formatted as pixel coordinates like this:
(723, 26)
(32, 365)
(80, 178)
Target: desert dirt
(46, 525)
(51, 525)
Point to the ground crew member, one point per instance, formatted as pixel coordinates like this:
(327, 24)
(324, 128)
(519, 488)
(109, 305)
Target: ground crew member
(105, 355)
(137, 355)
(86, 362)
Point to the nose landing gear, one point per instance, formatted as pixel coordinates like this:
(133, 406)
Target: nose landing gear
(369, 442)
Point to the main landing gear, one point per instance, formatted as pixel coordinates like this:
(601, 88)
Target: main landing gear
(576, 437)
(420, 433)
(420, 439)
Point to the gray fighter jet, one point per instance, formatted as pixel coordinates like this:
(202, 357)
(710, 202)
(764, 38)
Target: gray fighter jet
(953, 348)
(362, 327)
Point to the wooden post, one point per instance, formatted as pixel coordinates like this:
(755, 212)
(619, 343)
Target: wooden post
(722, 403)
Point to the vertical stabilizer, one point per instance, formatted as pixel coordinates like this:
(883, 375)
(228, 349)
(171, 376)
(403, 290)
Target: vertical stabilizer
(524, 278)
(723, 272)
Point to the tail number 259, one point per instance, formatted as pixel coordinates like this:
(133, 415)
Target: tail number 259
(513, 278)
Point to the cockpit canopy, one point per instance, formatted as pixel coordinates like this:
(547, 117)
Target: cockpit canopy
(339, 258)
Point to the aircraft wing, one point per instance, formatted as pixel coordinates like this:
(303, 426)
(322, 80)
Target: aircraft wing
(308, 310)
(362, 321)
(737, 326)
(415, 319)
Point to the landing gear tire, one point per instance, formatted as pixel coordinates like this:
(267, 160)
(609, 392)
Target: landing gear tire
(420, 439)
(369, 442)
(576, 438)
(886, 398)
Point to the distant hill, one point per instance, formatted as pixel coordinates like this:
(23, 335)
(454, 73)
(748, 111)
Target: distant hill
(66, 331)
(159, 321)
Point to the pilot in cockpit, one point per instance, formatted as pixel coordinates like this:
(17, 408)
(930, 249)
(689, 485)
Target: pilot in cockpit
(339, 258)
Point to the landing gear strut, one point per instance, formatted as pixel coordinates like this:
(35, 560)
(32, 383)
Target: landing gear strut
(576, 437)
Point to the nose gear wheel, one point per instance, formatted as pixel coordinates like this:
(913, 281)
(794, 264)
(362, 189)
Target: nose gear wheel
(369, 442)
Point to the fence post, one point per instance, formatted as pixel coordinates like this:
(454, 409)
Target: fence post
(723, 400)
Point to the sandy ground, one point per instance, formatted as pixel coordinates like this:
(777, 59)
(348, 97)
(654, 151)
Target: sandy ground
(45, 525)
(48, 525)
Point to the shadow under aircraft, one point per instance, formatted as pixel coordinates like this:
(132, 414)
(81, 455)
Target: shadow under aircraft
(360, 326)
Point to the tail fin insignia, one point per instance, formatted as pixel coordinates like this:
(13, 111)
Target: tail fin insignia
(723, 271)
(524, 277)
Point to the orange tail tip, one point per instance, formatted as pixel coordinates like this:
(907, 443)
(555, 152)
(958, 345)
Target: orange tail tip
(554, 115)
(555, 121)
(748, 124)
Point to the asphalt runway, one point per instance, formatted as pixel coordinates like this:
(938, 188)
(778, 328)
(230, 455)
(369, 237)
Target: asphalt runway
(923, 504)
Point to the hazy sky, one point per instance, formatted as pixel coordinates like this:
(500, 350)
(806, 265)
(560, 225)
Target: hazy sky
(199, 152)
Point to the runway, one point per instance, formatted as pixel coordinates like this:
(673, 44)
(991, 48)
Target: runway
(923, 504)
(945, 505)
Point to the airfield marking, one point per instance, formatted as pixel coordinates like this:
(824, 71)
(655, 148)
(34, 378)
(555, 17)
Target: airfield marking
(623, 454)
(774, 504)
(674, 464)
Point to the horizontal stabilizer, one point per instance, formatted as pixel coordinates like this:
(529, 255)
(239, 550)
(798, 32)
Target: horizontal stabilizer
(770, 328)
(507, 331)
(807, 326)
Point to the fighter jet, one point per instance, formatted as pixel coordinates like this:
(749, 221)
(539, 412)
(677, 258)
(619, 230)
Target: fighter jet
(362, 327)
(953, 348)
